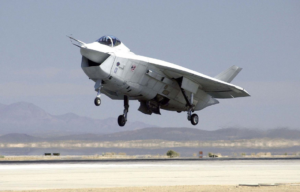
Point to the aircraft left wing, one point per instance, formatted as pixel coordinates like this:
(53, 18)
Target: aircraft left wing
(214, 87)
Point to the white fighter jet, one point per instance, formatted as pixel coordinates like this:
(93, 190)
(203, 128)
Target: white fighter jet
(122, 75)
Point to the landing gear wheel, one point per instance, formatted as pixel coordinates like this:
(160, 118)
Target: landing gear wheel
(194, 119)
(97, 101)
(121, 120)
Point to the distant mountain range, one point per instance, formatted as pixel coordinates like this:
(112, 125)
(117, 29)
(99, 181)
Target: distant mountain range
(25, 122)
(29, 119)
(168, 134)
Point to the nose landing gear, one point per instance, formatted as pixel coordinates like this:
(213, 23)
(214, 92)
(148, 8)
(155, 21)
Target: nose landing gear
(97, 100)
(98, 87)
(123, 118)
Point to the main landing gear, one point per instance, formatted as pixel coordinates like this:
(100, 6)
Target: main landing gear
(193, 118)
(123, 118)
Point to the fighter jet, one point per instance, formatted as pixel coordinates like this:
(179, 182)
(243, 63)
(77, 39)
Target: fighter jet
(122, 75)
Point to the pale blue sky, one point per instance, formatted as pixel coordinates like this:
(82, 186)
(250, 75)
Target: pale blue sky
(39, 65)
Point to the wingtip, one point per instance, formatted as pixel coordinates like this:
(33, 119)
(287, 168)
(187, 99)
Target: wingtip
(247, 94)
(237, 67)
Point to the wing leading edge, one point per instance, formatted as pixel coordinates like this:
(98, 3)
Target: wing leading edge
(214, 87)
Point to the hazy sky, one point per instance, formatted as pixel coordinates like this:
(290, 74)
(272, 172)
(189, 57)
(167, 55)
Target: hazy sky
(39, 64)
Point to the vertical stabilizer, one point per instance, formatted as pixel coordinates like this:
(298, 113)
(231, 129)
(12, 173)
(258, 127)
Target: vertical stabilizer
(229, 74)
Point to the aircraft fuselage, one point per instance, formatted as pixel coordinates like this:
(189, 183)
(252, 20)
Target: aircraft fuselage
(123, 75)
(126, 74)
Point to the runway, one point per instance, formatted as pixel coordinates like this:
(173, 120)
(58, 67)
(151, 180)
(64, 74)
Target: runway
(14, 176)
(81, 160)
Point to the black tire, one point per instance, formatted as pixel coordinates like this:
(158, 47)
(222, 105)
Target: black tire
(194, 119)
(97, 101)
(121, 120)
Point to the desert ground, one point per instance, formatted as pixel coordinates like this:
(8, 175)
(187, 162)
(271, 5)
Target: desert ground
(200, 188)
(280, 175)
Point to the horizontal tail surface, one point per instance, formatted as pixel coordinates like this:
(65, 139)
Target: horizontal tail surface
(229, 74)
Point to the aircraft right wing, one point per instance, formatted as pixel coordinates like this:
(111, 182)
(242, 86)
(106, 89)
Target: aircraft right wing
(214, 87)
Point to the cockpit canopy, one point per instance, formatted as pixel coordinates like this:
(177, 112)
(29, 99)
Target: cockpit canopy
(109, 40)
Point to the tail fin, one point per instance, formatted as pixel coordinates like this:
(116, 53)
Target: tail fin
(229, 74)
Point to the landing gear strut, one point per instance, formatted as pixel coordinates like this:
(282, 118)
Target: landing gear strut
(193, 118)
(98, 87)
(123, 118)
